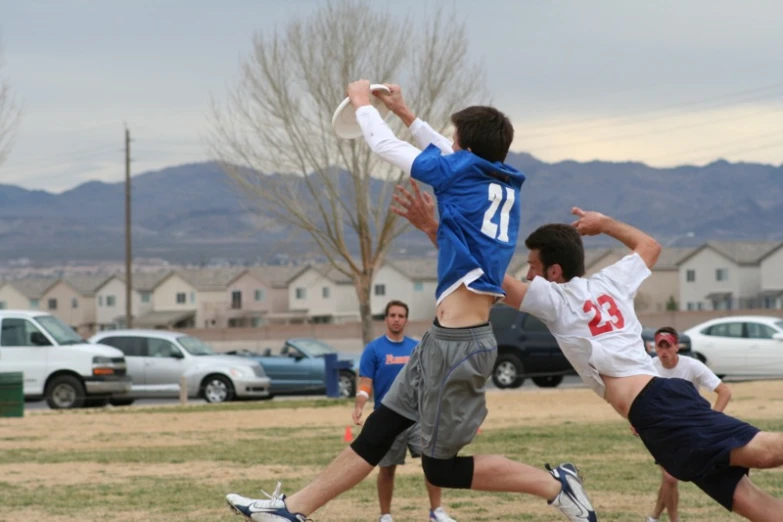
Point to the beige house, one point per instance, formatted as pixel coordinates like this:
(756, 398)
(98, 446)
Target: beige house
(276, 278)
(228, 297)
(110, 298)
(174, 304)
(24, 294)
(72, 299)
(771, 268)
(723, 275)
(321, 294)
(412, 281)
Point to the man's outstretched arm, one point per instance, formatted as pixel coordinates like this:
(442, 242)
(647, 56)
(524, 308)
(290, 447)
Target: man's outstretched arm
(421, 130)
(593, 223)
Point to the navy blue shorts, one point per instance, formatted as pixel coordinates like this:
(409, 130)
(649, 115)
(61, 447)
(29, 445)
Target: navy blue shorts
(689, 439)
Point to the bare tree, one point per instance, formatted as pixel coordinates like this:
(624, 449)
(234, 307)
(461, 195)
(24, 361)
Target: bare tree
(274, 135)
(9, 117)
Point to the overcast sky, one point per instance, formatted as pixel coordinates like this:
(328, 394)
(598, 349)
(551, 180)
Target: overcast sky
(664, 82)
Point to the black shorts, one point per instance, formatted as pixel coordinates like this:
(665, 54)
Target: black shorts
(689, 439)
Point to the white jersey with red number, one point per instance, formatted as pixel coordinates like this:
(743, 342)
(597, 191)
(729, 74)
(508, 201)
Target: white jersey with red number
(594, 321)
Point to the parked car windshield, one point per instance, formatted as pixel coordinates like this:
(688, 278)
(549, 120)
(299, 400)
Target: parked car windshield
(779, 324)
(195, 346)
(61, 332)
(313, 347)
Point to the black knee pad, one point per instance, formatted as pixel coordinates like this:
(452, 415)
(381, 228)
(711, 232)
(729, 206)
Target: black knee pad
(455, 473)
(378, 434)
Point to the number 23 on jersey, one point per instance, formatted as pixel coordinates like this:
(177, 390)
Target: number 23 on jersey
(598, 325)
(499, 230)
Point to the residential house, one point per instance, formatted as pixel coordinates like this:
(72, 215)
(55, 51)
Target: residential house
(24, 294)
(275, 279)
(110, 298)
(723, 275)
(771, 268)
(321, 294)
(72, 299)
(174, 304)
(228, 297)
(412, 281)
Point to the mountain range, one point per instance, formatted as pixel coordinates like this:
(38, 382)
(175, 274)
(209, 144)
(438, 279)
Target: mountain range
(193, 213)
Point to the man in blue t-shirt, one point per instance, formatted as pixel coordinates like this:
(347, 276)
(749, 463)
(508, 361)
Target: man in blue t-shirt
(381, 361)
(442, 386)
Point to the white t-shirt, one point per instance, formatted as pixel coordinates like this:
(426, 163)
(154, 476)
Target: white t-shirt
(594, 322)
(690, 369)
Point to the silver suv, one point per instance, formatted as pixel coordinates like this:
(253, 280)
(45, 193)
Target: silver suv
(157, 359)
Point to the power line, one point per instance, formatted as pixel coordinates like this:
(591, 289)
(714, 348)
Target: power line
(689, 153)
(628, 119)
(655, 131)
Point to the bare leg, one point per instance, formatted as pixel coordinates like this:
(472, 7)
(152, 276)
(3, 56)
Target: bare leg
(386, 488)
(496, 473)
(754, 504)
(764, 451)
(434, 492)
(671, 496)
(663, 497)
(347, 470)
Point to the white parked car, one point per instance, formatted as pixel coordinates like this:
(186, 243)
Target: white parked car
(157, 359)
(740, 346)
(57, 363)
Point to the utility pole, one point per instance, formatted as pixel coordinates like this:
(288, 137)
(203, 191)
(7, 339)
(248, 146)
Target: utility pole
(128, 254)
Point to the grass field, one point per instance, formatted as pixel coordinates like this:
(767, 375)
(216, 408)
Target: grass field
(177, 463)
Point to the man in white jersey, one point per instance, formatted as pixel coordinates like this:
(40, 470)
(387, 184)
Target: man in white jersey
(594, 322)
(670, 365)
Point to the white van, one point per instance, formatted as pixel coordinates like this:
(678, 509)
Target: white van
(57, 363)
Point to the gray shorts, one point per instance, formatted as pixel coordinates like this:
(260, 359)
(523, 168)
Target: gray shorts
(409, 439)
(442, 387)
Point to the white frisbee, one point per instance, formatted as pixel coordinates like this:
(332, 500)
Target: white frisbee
(344, 119)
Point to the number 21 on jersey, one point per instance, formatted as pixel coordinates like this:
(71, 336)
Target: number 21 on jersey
(495, 197)
(606, 303)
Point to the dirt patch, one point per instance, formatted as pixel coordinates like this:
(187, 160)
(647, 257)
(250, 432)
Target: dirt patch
(73, 473)
(75, 430)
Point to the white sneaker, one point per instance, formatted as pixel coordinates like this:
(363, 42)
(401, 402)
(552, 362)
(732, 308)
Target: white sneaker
(385, 518)
(272, 509)
(650, 519)
(440, 515)
(572, 500)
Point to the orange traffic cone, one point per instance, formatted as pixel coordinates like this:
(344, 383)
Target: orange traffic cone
(348, 437)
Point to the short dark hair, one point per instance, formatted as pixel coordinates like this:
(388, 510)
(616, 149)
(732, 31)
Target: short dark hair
(559, 244)
(395, 303)
(668, 330)
(486, 131)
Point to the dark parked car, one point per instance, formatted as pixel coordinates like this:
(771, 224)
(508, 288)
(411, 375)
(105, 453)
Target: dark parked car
(299, 368)
(526, 348)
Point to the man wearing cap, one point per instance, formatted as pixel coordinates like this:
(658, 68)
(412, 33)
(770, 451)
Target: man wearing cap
(670, 365)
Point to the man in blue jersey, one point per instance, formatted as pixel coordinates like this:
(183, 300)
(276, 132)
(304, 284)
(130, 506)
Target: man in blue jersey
(442, 386)
(381, 361)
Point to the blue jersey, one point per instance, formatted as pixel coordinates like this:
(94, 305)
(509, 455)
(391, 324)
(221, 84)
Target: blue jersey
(382, 360)
(478, 203)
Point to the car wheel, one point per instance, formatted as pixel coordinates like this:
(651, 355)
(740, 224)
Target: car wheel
(347, 385)
(507, 372)
(121, 402)
(700, 357)
(65, 392)
(550, 381)
(217, 388)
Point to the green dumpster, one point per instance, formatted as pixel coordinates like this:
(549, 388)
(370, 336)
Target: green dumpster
(11, 394)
